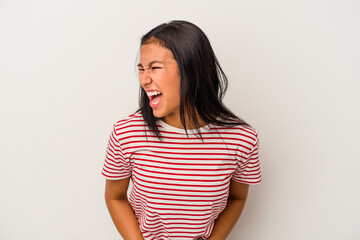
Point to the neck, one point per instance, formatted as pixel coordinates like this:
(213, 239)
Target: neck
(175, 121)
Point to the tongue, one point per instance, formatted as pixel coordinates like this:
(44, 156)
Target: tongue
(155, 101)
(156, 98)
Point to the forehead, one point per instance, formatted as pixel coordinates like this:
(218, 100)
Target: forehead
(154, 52)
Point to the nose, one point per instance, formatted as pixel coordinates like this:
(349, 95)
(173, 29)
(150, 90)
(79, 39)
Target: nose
(144, 78)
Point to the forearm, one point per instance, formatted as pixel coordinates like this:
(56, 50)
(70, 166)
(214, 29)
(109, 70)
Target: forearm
(124, 219)
(227, 219)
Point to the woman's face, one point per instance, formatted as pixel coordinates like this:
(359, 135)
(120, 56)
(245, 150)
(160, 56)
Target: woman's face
(159, 77)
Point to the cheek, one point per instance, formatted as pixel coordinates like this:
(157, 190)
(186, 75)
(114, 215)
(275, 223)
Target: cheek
(175, 89)
(176, 83)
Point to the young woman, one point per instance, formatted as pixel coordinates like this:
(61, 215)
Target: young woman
(191, 160)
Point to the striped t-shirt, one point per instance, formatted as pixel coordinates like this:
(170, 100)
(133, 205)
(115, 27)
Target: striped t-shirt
(180, 184)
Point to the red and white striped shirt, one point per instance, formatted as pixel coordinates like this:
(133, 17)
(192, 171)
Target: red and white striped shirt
(180, 184)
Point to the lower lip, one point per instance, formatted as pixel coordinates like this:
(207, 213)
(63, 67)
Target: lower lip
(156, 103)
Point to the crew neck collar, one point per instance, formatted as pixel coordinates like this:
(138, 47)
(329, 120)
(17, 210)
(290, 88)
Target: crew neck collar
(168, 127)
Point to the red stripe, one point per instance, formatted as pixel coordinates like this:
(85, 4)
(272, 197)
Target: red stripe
(187, 143)
(186, 174)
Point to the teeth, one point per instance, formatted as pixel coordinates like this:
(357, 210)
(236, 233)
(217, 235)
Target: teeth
(153, 93)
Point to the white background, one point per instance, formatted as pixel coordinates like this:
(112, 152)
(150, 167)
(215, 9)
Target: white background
(67, 71)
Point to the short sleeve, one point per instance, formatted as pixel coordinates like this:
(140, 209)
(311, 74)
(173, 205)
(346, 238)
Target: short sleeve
(248, 166)
(116, 166)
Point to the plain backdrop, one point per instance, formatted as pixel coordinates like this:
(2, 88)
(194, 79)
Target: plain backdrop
(68, 73)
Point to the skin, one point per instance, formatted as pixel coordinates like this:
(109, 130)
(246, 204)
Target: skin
(158, 70)
(120, 210)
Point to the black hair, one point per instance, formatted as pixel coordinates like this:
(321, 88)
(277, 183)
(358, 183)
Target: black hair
(203, 82)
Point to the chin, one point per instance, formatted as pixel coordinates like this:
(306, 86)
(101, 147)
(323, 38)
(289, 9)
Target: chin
(158, 114)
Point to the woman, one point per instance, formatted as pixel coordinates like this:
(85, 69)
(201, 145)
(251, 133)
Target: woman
(190, 158)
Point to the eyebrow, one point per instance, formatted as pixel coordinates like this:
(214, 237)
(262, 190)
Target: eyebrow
(151, 63)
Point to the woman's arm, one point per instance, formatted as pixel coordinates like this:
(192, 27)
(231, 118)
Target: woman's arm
(227, 219)
(120, 210)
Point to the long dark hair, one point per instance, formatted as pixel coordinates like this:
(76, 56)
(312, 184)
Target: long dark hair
(203, 82)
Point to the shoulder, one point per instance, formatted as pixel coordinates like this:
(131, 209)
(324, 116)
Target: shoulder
(250, 133)
(132, 121)
(243, 135)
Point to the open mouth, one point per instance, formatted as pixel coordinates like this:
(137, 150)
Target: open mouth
(154, 96)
